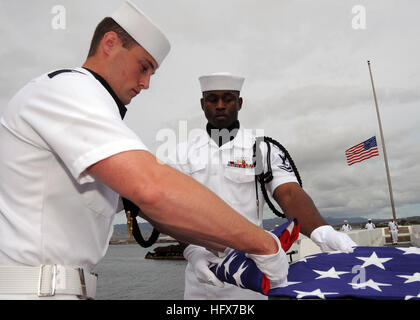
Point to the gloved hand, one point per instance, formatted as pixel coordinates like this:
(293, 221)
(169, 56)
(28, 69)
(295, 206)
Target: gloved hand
(259, 273)
(274, 266)
(329, 239)
(200, 260)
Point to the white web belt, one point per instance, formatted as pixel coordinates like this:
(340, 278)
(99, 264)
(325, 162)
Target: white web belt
(47, 280)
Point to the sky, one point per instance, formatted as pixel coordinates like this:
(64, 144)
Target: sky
(307, 81)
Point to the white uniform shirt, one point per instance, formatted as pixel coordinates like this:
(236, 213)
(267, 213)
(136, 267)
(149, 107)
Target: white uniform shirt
(346, 227)
(228, 173)
(370, 226)
(51, 210)
(393, 230)
(393, 226)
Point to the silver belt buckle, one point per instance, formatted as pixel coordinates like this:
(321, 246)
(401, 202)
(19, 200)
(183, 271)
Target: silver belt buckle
(53, 281)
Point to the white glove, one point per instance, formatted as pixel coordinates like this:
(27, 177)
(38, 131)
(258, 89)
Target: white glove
(330, 240)
(274, 266)
(200, 259)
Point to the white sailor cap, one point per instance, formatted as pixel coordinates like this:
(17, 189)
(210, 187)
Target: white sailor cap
(143, 30)
(221, 81)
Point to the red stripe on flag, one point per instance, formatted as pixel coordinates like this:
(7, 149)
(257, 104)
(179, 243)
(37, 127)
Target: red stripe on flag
(362, 156)
(356, 149)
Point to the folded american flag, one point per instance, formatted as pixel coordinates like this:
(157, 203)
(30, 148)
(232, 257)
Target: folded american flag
(367, 272)
(241, 271)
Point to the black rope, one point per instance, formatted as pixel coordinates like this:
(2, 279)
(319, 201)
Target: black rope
(265, 177)
(133, 211)
(292, 163)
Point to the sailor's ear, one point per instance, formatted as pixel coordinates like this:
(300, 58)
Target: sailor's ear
(240, 103)
(109, 42)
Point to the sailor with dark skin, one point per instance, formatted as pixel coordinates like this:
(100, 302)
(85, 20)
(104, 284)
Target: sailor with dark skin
(221, 109)
(224, 139)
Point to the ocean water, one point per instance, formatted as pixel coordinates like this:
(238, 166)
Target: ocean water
(124, 274)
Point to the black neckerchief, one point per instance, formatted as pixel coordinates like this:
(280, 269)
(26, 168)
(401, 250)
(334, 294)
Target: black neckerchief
(121, 107)
(130, 208)
(218, 138)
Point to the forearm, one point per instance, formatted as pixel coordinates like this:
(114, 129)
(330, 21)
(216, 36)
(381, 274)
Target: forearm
(297, 204)
(181, 205)
(191, 211)
(177, 234)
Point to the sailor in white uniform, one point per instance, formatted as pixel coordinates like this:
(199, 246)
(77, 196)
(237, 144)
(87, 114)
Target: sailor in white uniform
(52, 130)
(393, 230)
(346, 227)
(222, 159)
(370, 225)
(66, 156)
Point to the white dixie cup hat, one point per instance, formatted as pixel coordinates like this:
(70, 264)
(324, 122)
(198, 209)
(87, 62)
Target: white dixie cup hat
(221, 81)
(143, 30)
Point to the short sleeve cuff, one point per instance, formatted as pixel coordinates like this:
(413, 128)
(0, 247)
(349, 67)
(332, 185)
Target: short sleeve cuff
(103, 152)
(277, 181)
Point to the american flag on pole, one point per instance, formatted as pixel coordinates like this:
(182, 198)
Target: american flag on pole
(362, 151)
(390, 273)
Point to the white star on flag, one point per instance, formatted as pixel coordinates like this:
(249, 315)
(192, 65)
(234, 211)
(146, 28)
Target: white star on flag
(287, 283)
(316, 292)
(227, 264)
(237, 275)
(332, 273)
(409, 297)
(410, 250)
(370, 283)
(304, 259)
(413, 278)
(373, 260)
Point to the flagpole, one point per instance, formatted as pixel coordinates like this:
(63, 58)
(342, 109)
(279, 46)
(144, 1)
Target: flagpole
(383, 145)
